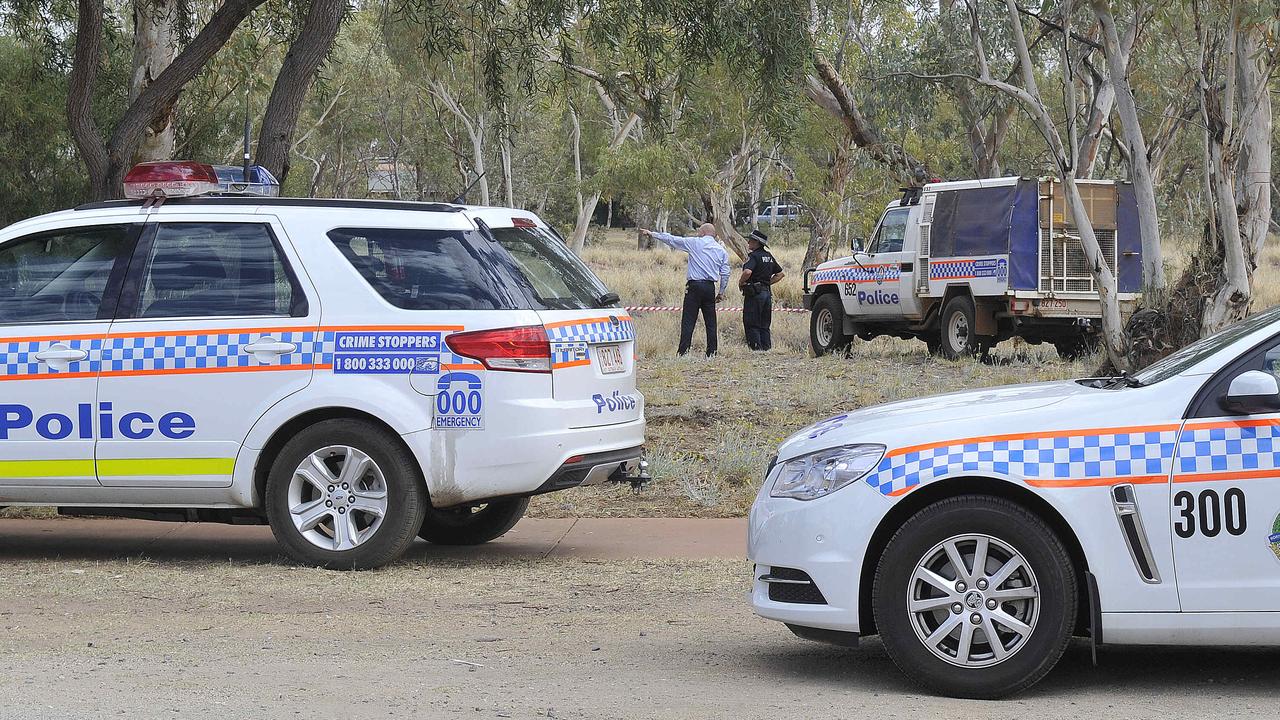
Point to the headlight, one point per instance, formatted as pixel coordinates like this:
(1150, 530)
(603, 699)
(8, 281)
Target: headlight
(824, 472)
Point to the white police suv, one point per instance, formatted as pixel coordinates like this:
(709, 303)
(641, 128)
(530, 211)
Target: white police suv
(976, 532)
(355, 373)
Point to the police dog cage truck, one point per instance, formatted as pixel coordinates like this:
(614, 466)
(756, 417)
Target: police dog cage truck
(965, 265)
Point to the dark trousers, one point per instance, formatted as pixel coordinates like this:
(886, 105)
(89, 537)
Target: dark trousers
(699, 295)
(757, 316)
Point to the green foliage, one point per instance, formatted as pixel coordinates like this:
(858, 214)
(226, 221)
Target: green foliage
(38, 173)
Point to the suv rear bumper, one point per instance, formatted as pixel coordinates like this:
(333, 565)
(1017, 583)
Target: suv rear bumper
(593, 469)
(458, 471)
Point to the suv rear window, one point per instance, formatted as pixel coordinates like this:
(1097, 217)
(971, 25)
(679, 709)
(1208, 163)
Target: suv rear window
(559, 280)
(417, 269)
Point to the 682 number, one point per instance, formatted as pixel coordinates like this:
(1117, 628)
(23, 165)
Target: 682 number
(1213, 513)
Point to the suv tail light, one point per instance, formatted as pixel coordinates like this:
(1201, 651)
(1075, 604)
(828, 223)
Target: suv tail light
(518, 349)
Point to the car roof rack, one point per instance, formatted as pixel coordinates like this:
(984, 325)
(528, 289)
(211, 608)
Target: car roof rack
(238, 200)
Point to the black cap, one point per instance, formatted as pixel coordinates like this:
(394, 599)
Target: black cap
(759, 237)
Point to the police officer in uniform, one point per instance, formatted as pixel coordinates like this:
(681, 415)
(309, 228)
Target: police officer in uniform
(759, 274)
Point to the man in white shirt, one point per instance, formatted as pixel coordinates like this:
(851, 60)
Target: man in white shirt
(708, 262)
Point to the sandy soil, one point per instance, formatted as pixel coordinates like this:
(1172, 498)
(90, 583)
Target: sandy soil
(89, 638)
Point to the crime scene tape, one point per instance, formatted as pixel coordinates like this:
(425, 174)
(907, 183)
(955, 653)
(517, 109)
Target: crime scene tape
(672, 308)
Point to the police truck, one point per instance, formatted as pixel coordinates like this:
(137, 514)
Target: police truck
(964, 265)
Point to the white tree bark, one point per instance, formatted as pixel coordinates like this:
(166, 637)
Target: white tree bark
(1118, 52)
(155, 45)
(474, 124)
(587, 205)
(1064, 158)
(1238, 152)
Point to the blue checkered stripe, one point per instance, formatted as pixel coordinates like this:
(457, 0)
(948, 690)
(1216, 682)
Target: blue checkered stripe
(208, 351)
(1218, 449)
(19, 358)
(593, 333)
(867, 273)
(949, 269)
(1075, 457)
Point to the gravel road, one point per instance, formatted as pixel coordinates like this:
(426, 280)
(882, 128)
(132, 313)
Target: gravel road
(554, 638)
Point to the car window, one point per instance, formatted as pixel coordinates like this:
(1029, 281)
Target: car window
(893, 229)
(560, 281)
(60, 275)
(1201, 349)
(215, 270)
(417, 269)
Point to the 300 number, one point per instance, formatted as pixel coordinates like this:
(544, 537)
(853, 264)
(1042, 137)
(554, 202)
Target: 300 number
(1213, 513)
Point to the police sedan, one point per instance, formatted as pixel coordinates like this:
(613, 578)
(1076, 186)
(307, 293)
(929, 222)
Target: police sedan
(977, 532)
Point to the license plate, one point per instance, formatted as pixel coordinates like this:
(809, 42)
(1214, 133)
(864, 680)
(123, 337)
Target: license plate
(610, 359)
(1053, 304)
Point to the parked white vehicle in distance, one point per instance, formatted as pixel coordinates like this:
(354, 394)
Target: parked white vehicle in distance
(779, 214)
(976, 532)
(354, 373)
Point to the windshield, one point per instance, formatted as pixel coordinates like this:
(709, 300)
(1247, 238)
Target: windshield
(1199, 350)
(560, 281)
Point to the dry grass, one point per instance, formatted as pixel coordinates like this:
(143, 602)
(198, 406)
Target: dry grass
(714, 422)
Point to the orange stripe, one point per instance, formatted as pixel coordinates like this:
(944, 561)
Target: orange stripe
(1233, 423)
(1034, 436)
(208, 331)
(1099, 482)
(194, 371)
(584, 321)
(93, 336)
(394, 328)
(242, 331)
(1228, 475)
(904, 490)
(48, 376)
(462, 366)
(572, 363)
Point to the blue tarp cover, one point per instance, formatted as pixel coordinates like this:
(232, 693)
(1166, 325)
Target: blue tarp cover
(991, 221)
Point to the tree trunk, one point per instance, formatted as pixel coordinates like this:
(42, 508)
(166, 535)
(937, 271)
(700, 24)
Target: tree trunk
(107, 163)
(1238, 148)
(80, 82)
(1091, 142)
(306, 53)
(1118, 51)
(587, 206)
(504, 156)
(825, 220)
(829, 91)
(155, 45)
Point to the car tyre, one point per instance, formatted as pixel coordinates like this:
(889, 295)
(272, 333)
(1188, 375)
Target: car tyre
(958, 329)
(368, 479)
(472, 524)
(934, 344)
(1038, 593)
(826, 326)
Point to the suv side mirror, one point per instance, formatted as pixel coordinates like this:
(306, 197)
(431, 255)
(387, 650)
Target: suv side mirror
(1252, 392)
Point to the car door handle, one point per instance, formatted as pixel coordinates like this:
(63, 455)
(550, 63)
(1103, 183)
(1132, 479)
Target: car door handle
(59, 356)
(266, 349)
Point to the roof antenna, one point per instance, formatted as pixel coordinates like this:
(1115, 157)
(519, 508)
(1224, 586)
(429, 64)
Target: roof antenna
(461, 199)
(246, 137)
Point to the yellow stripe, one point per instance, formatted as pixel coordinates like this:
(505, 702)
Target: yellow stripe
(46, 468)
(166, 466)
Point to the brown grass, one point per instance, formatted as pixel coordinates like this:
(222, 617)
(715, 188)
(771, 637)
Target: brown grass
(714, 422)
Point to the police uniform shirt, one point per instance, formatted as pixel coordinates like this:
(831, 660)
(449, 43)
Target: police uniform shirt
(762, 266)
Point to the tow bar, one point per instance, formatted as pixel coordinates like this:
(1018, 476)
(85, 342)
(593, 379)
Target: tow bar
(635, 472)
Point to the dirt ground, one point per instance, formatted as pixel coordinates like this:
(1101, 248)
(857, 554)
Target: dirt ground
(86, 637)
